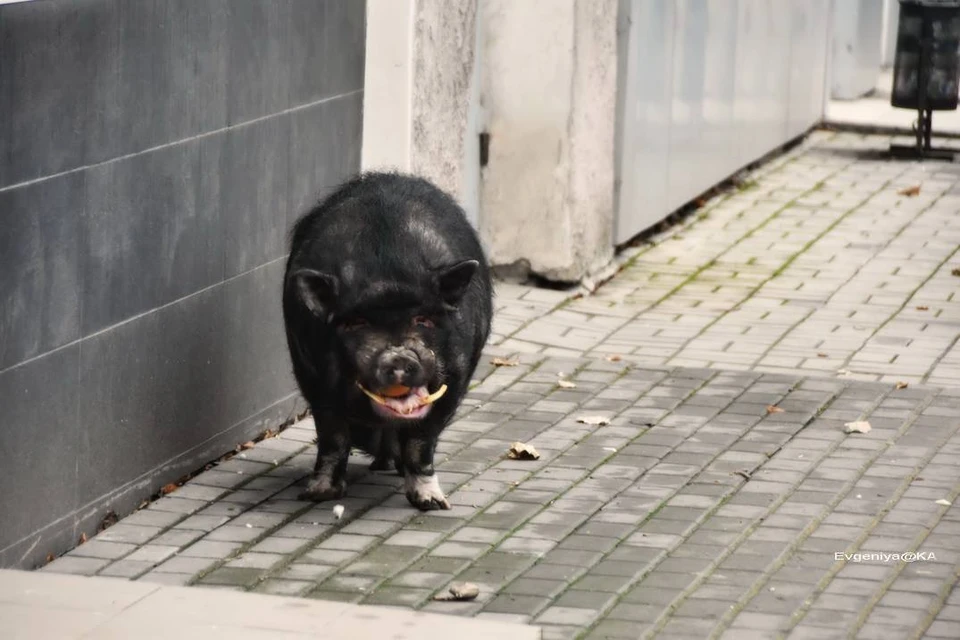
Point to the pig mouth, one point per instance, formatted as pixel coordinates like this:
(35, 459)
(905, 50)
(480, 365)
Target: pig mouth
(405, 403)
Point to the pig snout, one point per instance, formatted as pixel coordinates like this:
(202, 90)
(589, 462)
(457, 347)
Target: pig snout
(400, 367)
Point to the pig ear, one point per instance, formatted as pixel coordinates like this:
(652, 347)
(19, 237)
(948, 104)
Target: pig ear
(454, 280)
(318, 291)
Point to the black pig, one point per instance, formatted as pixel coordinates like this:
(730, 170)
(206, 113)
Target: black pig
(387, 303)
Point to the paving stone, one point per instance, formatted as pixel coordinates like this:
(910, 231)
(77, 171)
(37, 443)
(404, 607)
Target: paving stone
(210, 549)
(99, 548)
(233, 576)
(515, 603)
(185, 565)
(126, 569)
(420, 579)
(567, 616)
(76, 565)
(129, 533)
(285, 587)
(230, 533)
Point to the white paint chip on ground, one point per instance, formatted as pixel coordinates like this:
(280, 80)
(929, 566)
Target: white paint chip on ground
(860, 426)
(597, 421)
(945, 503)
(338, 511)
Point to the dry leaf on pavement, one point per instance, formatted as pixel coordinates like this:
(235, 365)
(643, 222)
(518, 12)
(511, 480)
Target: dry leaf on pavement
(860, 426)
(168, 488)
(504, 362)
(596, 421)
(614, 358)
(955, 272)
(109, 519)
(902, 385)
(522, 451)
(923, 307)
(774, 409)
(910, 191)
(566, 384)
(460, 592)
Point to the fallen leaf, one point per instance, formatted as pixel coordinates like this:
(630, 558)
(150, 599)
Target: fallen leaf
(522, 451)
(822, 355)
(910, 191)
(746, 475)
(83, 538)
(108, 521)
(955, 272)
(460, 592)
(270, 433)
(168, 488)
(566, 384)
(945, 503)
(596, 421)
(338, 511)
(50, 558)
(902, 385)
(860, 426)
(614, 358)
(774, 409)
(504, 362)
(247, 445)
(923, 307)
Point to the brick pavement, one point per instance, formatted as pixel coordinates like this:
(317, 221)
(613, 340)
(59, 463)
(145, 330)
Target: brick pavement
(646, 525)
(819, 266)
(695, 512)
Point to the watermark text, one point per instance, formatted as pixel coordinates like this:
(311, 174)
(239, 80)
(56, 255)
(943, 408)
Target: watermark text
(883, 556)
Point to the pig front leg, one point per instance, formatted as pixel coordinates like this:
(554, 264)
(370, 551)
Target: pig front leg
(421, 484)
(329, 479)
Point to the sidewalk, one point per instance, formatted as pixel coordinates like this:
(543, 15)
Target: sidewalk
(819, 266)
(697, 481)
(35, 606)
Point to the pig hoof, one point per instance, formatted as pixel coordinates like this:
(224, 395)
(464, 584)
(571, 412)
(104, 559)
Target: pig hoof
(424, 492)
(321, 489)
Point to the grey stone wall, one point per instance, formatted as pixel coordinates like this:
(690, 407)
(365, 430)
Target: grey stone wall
(153, 155)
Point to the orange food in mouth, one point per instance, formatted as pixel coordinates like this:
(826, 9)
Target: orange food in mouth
(395, 391)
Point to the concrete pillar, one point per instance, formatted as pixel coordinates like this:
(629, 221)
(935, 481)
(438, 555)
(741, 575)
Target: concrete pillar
(420, 95)
(549, 94)
(537, 76)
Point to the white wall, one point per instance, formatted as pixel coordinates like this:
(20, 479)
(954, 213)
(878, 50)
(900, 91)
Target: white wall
(857, 40)
(707, 87)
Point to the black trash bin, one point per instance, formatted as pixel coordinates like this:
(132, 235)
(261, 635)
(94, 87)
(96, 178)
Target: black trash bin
(926, 68)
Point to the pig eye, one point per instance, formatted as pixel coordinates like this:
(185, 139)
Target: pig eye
(352, 324)
(422, 321)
